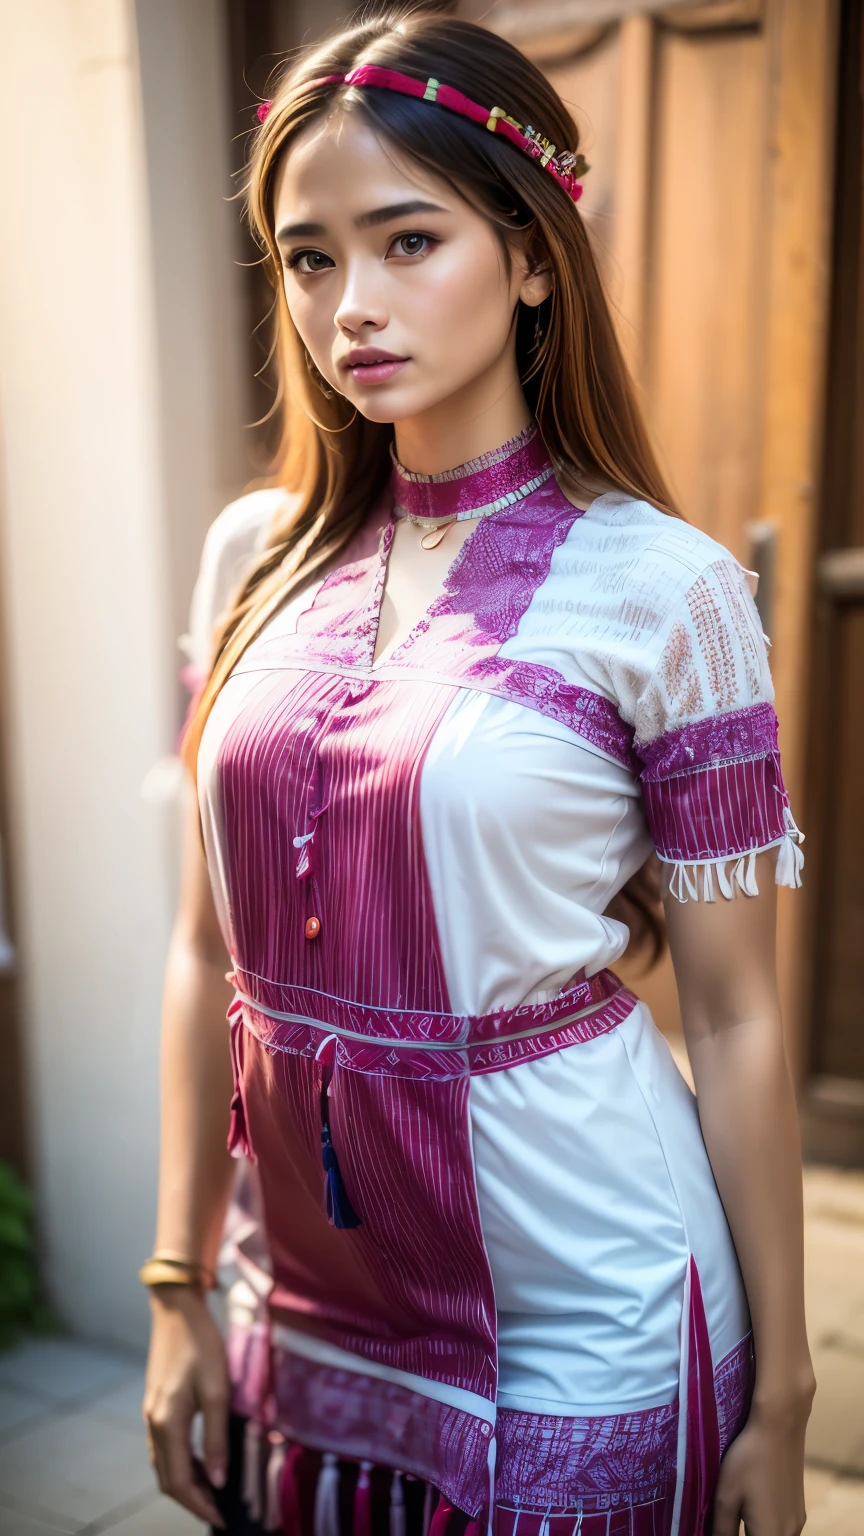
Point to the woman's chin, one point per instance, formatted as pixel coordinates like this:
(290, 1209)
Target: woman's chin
(376, 410)
(393, 405)
(383, 405)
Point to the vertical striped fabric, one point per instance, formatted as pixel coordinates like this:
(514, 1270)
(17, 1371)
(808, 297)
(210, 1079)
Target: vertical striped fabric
(717, 812)
(334, 764)
(337, 759)
(714, 789)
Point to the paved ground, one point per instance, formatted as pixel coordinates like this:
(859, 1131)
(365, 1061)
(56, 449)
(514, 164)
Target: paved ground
(834, 1208)
(72, 1455)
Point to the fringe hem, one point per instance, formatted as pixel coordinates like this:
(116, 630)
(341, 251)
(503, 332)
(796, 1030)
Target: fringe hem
(700, 880)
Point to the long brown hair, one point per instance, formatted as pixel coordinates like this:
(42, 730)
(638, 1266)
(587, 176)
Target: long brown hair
(576, 385)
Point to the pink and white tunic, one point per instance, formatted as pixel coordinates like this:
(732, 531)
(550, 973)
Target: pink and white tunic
(497, 1259)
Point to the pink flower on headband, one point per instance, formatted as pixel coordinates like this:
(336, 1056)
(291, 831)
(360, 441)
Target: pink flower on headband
(264, 111)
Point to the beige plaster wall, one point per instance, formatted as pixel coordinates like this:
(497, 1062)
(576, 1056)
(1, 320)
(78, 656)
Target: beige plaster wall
(119, 443)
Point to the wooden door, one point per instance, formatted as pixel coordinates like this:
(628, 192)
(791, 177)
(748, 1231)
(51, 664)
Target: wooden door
(834, 1098)
(672, 106)
(675, 105)
(709, 128)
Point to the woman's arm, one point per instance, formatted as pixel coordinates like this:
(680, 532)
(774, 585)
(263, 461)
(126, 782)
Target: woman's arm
(724, 958)
(186, 1371)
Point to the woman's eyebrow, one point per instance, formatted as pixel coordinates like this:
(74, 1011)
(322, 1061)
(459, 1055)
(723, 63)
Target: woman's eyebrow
(362, 221)
(396, 211)
(299, 231)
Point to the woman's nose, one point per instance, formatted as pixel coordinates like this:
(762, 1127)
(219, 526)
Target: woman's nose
(362, 301)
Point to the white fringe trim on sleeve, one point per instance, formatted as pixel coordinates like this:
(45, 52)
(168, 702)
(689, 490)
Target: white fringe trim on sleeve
(696, 882)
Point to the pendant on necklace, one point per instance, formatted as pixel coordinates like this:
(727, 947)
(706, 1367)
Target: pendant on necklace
(433, 539)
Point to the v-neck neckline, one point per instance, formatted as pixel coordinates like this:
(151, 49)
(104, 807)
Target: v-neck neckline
(488, 486)
(493, 580)
(376, 599)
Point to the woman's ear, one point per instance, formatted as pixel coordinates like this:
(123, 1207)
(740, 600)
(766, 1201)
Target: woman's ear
(531, 268)
(531, 275)
(536, 286)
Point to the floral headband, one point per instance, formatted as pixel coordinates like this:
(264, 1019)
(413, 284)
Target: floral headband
(565, 166)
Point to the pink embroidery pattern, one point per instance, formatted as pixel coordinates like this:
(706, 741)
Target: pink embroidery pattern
(733, 1384)
(589, 714)
(503, 562)
(612, 1463)
(749, 732)
(680, 676)
(474, 486)
(714, 789)
(749, 636)
(348, 637)
(548, 1467)
(366, 1419)
(604, 1462)
(384, 1042)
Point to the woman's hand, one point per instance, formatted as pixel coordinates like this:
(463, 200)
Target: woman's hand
(762, 1477)
(187, 1373)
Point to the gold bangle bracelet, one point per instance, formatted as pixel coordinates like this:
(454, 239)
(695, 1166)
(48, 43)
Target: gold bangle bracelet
(168, 1256)
(163, 1272)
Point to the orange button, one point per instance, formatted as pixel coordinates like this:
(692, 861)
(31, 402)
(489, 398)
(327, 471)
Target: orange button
(313, 928)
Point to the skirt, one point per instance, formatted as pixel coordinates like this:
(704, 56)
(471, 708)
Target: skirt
(527, 1315)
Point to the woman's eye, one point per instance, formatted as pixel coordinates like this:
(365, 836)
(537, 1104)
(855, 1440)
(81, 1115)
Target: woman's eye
(410, 245)
(308, 261)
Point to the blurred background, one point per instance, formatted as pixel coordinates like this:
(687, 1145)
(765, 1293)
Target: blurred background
(725, 199)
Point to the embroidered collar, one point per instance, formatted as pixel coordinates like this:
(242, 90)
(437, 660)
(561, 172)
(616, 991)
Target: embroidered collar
(477, 489)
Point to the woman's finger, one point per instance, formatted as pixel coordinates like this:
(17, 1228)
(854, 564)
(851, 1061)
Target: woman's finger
(214, 1405)
(181, 1483)
(727, 1516)
(157, 1460)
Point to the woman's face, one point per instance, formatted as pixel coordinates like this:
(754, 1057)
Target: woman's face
(398, 288)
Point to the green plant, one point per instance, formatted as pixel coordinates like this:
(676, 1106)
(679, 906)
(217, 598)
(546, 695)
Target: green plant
(20, 1306)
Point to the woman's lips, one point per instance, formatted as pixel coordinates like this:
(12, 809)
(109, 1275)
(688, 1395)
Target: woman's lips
(369, 365)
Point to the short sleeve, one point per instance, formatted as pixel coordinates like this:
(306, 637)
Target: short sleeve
(706, 745)
(238, 533)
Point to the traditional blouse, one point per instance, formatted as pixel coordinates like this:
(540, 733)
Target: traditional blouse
(496, 1259)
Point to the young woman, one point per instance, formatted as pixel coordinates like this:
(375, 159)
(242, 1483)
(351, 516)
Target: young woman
(505, 1270)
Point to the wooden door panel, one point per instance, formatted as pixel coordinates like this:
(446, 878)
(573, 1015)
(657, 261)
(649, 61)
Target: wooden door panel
(834, 1098)
(838, 1039)
(703, 377)
(701, 267)
(589, 85)
(674, 125)
(713, 123)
